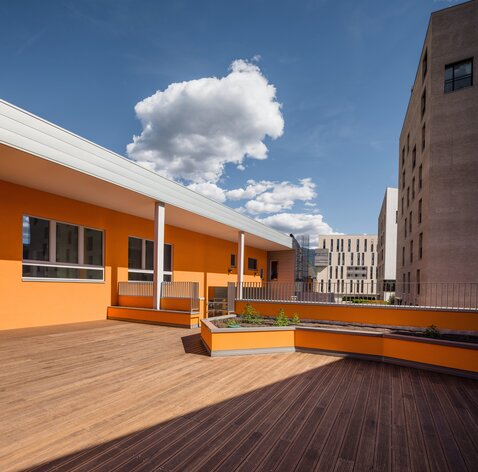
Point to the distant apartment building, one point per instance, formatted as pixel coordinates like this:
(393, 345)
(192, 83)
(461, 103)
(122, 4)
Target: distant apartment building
(347, 265)
(437, 240)
(387, 244)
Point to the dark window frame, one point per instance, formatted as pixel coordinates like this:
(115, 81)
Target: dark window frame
(251, 266)
(452, 82)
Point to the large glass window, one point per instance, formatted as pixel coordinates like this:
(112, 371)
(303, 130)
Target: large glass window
(66, 243)
(61, 251)
(93, 246)
(459, 75)
(36, 239)
(141, 260)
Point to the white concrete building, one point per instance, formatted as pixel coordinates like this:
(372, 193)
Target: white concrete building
(347, 265)
(387, 244)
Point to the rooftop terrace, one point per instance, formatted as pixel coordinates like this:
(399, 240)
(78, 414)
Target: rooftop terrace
(109, 395)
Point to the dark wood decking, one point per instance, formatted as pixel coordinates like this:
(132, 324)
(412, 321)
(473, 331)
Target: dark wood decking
(124, 396)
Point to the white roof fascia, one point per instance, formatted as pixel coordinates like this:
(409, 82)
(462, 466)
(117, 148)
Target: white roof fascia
(27, 132)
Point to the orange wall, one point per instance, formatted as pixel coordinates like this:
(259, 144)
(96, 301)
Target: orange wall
(153, 316)
(454, 320)
(196, 258)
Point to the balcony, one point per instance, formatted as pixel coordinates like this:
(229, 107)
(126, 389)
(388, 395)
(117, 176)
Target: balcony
(180, 304)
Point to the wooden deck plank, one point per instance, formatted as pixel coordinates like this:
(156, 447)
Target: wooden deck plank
(418, 454)
(367, 439)
(286, 458)
(431, 440)
(323, 454)
(95, 396)
(458, 439)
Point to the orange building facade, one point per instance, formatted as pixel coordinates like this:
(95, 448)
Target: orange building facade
(78, 220)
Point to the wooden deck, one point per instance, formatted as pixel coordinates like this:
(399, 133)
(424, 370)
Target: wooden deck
(110, 395)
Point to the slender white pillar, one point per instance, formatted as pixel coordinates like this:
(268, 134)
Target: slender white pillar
(158, 264)
(240, 263)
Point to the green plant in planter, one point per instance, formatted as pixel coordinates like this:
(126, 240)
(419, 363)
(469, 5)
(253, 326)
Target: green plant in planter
(432, 332)
(250, 315)
(281, 319)
(232, 323)
(295, 319)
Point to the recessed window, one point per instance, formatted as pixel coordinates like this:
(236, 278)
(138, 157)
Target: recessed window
(274, 270)
(233, 260)
(420, 175)
(424, 64)
(413, 188)
(414, 157)
(403, 179)
(423, 136)
(410, 222)
(403, 156)
(61, 251)
(411, 250)
(141, 260)
(408, 143)
(408, 197)
(251, 263)
(458, 75)
(420, 245)
(419, 211)
(424, 102)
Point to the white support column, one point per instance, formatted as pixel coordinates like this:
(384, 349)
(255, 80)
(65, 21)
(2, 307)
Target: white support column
(240, 263)
(158, 264)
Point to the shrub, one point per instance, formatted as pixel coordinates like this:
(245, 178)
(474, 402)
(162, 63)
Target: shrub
(281, 319)
(250, 315)
(432, 332)
(295, 319)
(391, 300)
(232, 323)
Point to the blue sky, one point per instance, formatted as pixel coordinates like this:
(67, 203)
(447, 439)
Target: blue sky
(342, 72)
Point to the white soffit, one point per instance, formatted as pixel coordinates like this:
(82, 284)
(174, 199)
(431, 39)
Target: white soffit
(188, 209)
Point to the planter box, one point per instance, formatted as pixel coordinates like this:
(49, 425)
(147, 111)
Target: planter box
(458, 320)
(443, 356)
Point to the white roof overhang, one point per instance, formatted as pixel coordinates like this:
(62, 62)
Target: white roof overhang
(49, 158)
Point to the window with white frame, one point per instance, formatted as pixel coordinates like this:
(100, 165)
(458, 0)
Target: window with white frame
(141, 260)
(61, 251)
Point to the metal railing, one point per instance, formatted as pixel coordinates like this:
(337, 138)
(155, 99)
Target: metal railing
(135, 289)
(430, 295)
(185, 290)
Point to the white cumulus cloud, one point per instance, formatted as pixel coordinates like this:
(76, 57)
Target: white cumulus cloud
(267, 196)
(210, 190)
(299, 224)
(192, 129)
